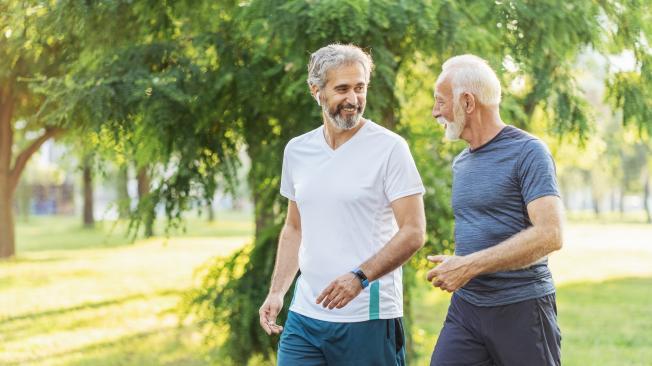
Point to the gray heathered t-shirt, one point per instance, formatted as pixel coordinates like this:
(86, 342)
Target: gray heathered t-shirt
(492, 186)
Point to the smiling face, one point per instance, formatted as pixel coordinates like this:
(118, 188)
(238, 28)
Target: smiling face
(343, 98)
(448, 111)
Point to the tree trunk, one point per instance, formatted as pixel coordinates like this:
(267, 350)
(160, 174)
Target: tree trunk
(211, 212)
(122, 188)
(9, 176)
(143, 191)
(7, 239)
(89, 219)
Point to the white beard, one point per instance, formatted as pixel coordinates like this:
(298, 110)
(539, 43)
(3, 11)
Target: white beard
(454, 128)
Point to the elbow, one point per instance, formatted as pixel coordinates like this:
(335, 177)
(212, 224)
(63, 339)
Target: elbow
(417, 238)
(555, 238)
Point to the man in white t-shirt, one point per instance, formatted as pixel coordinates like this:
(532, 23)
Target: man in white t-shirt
(355, 215)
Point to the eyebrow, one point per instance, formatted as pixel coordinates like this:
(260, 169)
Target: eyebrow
(347, 85)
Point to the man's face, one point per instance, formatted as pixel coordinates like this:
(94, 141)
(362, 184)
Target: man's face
(448, 111)
(344, 97)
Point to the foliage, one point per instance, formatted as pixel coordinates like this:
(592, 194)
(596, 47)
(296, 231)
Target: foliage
(185, 86)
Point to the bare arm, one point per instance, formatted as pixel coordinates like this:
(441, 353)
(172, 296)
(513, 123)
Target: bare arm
(410, 237)
(519, 251)
(285, 269)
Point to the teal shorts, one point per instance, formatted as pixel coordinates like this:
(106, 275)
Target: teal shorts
(310, 342)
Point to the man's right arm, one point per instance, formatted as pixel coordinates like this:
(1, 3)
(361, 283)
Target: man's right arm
(285, 269)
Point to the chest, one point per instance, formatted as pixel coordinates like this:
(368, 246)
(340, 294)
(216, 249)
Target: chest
(486, 183)
(354, 176)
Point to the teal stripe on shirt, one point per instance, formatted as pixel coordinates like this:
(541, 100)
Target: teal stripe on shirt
(374, 300)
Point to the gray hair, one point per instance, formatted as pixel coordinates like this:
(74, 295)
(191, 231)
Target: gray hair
(336, 55)
(472, 74)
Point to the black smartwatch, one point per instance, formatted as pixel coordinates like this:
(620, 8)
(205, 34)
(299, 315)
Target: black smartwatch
(364, 281)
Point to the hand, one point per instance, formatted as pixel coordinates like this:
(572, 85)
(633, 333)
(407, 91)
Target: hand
(340, 292)
(268, 313)
(452, 273)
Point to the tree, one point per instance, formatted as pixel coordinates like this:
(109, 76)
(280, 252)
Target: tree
(198, 80)
(272, 39)
(29, 48)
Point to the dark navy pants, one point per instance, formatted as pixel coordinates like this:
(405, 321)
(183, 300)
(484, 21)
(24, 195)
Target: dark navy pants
(310, 342)
(524, 333)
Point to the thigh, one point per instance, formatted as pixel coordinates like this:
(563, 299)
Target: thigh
(372, 342)
(525, 333)
(297, 347)
(459, 343)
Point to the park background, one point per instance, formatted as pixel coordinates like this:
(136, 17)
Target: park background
(141, 144)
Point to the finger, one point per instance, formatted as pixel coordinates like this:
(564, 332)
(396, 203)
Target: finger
(343, 302)
(432, 274)
(264, 322)
(325, 293)
(336, 301)
(276, 329)
(331, 296)
(437, 258)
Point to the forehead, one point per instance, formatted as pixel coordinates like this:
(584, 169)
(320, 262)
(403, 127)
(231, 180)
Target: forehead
(443, 88)
(349, 74)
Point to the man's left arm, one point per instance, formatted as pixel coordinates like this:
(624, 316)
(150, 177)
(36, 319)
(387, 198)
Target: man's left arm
(519, 251)
(411, 220)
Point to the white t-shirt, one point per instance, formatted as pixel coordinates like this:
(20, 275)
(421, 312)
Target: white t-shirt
(344, 198)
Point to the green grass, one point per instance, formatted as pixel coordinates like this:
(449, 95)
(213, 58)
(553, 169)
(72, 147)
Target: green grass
(83, 297)
(65, 232)
(76, 296)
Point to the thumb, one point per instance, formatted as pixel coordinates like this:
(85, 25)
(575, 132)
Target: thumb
(437, 258)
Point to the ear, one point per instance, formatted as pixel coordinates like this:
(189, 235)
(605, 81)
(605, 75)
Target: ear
(314, 89)
(467, 101)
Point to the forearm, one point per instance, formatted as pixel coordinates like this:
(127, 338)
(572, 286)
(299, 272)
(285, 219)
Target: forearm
(519, 251)
(287, 260)
(407, 241)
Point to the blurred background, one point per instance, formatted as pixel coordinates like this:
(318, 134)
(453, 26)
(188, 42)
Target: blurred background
(140, 158)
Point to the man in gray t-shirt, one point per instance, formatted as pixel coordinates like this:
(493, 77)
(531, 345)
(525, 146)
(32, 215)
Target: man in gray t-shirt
(508, 218)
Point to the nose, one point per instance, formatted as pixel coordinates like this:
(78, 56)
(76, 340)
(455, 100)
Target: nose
(435, 111)
(351, 97)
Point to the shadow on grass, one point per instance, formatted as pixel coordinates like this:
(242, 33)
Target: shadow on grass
(91, 305)
(133, 349)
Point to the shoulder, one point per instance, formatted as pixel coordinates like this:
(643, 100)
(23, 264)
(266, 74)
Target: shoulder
(381, 135)
(526, 142)
(301, 141)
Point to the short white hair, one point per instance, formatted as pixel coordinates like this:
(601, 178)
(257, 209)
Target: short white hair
(472, 74)
(336, 55)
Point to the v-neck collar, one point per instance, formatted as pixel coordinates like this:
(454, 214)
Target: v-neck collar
(329, 149)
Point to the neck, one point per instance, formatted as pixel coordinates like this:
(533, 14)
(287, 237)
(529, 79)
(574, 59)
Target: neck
(484, 127)
(336, 137)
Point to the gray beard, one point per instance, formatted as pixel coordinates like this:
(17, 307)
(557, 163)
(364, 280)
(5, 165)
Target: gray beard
(342, 123)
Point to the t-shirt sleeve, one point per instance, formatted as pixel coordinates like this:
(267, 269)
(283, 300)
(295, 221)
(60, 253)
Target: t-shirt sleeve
(287, 184)
(402, 177)
(536, 172)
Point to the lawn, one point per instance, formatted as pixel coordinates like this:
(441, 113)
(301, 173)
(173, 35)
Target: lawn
(75, 296)
(92, 297)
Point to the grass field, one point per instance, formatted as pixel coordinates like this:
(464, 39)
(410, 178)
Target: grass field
(91, 297)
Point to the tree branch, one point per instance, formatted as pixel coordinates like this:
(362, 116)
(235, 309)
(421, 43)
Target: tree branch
(23, 157)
